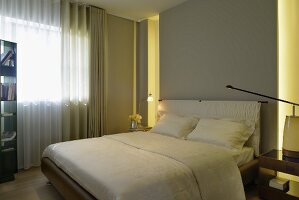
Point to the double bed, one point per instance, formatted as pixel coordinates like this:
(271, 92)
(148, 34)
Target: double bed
(153, 165)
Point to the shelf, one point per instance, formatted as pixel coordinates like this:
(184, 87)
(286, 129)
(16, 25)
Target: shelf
(7, 178)
(8, 136)
(8, 111)
(6, 80)
(8, 114)
(9, 100)
(8, 71)
(8, 150)
(8, 91)
(269, 164)
(275, 194)
(265, 176)
(9, 144)
(144, 129)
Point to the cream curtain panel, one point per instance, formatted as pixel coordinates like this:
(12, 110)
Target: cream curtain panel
(83, 69)
(98, 72)
(75, 69)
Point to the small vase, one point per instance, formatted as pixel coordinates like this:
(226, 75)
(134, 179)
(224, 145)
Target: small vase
(134, 125)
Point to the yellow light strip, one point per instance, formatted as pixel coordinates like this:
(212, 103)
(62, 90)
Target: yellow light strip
(288, 82)
(288, 62)
(153, 68)
(134, 72)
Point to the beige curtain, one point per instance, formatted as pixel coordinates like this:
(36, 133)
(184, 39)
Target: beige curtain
(97, 83)
(83, 62)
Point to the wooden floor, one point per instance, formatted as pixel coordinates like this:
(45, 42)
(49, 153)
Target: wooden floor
(252, 192)
(32, 185)
(29, 185)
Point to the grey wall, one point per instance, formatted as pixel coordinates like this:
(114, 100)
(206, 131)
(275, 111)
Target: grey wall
(120, 73)
(207, 44)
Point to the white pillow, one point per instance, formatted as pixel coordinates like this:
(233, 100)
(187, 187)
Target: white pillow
(230, 134)
(174, 125)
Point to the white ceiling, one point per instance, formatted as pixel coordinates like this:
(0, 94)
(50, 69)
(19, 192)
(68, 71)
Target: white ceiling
(134, 9)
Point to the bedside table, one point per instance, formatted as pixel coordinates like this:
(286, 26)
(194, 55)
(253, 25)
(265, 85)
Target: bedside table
(144, 129)
(269, 164)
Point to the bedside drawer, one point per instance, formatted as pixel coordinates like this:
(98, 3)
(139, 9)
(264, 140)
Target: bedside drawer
(278, 165)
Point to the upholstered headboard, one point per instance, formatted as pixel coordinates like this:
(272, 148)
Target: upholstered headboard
(244, 110)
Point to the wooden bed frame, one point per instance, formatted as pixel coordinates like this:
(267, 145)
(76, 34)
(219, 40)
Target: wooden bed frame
(71, 190)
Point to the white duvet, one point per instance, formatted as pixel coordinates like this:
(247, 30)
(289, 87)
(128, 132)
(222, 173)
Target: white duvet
(145, 166)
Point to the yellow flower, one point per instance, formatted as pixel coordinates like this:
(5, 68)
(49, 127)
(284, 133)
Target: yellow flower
(136, 118)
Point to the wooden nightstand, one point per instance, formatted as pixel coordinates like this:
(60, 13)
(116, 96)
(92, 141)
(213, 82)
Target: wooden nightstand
(144, 129)
(269, 164)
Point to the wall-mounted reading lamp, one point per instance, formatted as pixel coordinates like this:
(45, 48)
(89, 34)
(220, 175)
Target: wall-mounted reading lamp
(290, 146)
(150, 97)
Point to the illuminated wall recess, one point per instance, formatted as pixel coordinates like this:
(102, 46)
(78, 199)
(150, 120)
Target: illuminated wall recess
(288, 63)
(153, 68)
(288, 59)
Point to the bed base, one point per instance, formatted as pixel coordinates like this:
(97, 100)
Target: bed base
(249, 172)
(63, 183)
(71, 190)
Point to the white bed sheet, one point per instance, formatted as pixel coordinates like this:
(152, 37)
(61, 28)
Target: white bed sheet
(138, 165)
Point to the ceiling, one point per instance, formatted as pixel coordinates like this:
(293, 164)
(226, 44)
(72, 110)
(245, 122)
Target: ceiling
(134, 9)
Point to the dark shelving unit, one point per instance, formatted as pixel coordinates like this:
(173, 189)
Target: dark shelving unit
(8, 111)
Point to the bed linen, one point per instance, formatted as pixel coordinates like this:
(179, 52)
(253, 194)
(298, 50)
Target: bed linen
(145, 166)
(243, 156)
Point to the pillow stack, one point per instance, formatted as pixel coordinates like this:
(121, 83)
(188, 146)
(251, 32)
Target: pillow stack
(175, 125)
(227, 133)
(230, 134)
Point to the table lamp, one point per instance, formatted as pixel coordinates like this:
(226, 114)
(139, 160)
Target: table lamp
(290, 146)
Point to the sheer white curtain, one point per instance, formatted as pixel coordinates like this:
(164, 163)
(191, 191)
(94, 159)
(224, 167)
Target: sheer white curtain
(35, 26)
(53, 52)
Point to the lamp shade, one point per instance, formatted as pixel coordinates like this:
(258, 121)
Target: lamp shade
(290, 146)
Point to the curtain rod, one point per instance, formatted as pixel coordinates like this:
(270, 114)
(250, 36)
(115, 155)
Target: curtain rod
(86, 4)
